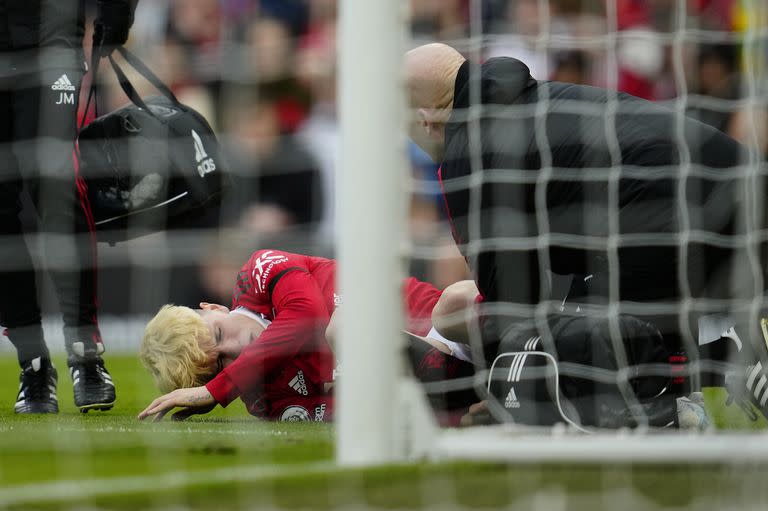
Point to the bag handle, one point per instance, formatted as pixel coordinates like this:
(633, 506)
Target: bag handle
(144, 71)
(125, 84)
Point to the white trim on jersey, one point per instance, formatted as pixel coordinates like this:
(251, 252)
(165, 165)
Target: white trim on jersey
(249, 313)
(460, 351)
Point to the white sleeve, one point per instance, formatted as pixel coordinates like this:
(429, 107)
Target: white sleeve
(460, 351)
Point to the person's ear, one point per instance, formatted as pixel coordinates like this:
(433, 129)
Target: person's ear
(213, 307)
(423, 116)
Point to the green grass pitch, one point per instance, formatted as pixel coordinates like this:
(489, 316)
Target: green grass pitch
(228, 460)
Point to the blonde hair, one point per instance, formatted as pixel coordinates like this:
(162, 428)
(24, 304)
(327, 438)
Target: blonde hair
(175, 348)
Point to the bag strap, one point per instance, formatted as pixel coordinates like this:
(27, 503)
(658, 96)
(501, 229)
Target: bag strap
(92, 92)
(125, 84)
(127, 87)
(144, 71)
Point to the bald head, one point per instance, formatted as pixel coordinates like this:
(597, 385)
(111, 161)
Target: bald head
(430, 73)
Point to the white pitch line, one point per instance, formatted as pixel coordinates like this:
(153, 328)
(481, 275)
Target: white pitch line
(121, 429)
(89, 488)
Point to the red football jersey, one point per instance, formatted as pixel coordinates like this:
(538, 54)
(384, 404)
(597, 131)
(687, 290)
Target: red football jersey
(289, 395)
(419, 299)
(295, 292)
(283, 375)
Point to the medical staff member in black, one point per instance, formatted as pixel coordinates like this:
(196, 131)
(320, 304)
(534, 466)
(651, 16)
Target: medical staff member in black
(600, 174)
(41, 67)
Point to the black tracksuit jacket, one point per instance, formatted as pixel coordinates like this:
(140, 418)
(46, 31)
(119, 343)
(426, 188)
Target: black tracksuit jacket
(578, 164)
(26, 24)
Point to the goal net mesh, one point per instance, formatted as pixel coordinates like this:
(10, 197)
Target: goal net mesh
(586, 250)
(546, 380)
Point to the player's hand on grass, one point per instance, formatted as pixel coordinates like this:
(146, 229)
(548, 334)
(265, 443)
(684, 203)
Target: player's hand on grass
(186, 413)
(195, 400)
(478, 414)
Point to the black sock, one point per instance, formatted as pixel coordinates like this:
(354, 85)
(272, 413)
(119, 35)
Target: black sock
(723, 350)
(29, 342)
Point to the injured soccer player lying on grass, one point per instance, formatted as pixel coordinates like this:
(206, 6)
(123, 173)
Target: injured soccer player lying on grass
(271, 350)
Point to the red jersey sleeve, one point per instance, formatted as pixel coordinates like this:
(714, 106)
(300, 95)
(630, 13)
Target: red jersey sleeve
(279, 285)
(419, 298)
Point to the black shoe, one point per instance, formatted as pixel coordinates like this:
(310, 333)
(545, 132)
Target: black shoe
(37, 388)
(91, 383)
(749, 387)
(748, 390)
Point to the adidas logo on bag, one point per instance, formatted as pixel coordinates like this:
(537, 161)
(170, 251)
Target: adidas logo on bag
(511, 400)
(205, 163)
(63, 83)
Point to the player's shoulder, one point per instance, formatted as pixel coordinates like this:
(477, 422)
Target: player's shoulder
(266, 264)
(271, 254)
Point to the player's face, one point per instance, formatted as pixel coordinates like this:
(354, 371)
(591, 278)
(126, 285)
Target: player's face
(230, 333)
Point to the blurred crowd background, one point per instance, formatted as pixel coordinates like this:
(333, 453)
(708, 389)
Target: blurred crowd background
(264, 73)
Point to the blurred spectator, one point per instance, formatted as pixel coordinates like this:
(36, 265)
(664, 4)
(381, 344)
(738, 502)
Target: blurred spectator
(439, 19)
(715, 14)
(285, 143)
(276, 183)
(294, 14)
(716, 77)
(217, 272)
(424, 209)
(271, 49)
(517, 38)
(151, 26)
(272, 64)
(316, 69)
(640, 59)
(430, 234)
(571, 67)
(639, 52)
(196, 26)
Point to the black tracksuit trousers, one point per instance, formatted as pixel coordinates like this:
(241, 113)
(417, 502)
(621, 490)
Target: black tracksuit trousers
(37, 135)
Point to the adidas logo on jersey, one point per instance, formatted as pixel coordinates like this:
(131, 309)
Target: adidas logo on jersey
(298, 384)
(63, 83)
(511, 400)
(205, 163)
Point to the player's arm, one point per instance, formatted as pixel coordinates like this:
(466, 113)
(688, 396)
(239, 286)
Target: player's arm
(435, 343)
(301, 319)
(449, 316)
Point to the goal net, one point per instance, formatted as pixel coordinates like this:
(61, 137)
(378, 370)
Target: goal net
(591, 311)
(616, 296)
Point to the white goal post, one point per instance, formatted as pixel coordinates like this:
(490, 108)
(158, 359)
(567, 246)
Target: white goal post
(371, 219)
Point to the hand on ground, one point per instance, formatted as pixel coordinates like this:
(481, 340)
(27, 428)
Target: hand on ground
(195, 400)
(478, 414)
